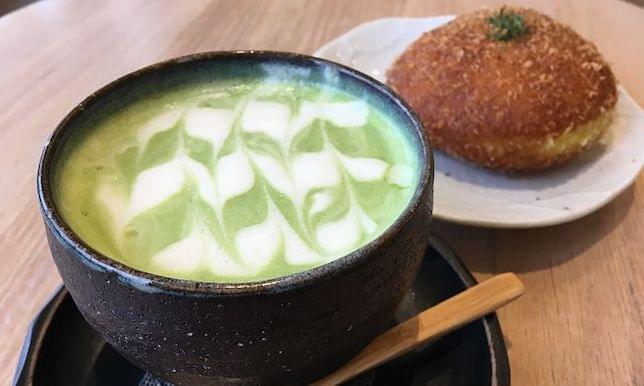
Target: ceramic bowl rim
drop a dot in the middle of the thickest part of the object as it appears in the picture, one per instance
(151, 282)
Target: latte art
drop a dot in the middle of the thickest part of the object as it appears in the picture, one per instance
(235, 182)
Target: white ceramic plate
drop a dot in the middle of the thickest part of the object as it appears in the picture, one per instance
(471, 195)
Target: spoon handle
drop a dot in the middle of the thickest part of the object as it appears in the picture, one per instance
(471, 304)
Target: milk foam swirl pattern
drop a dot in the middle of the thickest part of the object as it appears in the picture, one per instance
(249, 185)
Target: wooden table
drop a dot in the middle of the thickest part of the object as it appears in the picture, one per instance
(581, 320)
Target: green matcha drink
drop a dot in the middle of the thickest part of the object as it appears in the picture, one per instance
(236, 180)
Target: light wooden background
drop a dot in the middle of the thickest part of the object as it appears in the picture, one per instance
(581, 321)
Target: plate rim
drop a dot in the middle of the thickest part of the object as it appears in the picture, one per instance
(35, 335)
(482, 222)
(501, 374)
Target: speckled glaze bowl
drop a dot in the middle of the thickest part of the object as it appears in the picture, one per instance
(289, 330)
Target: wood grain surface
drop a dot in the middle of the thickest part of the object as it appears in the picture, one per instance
(581, 321)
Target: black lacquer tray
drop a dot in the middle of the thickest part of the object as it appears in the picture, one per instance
(61, 349)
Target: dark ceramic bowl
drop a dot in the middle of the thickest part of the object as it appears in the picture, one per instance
(288, 330)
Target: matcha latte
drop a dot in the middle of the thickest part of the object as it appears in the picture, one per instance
(237, 179)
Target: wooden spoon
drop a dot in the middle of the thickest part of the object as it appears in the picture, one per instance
(469, 305)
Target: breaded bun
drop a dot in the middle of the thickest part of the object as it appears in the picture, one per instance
(525, 103)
